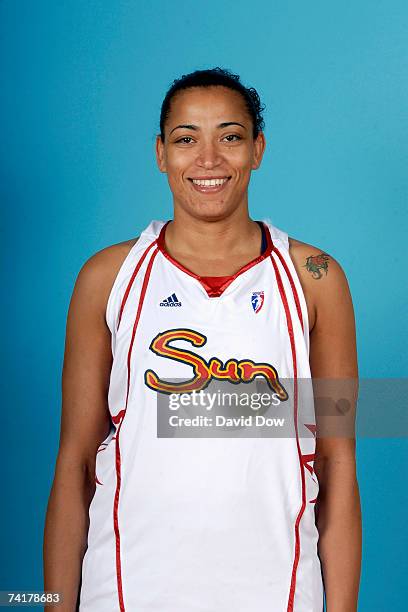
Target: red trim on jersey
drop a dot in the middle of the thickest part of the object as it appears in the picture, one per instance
(118, 458)
(98, 451)
(301, 464)
(128, 288)
(225, 281)
(215, 284)
(309, 459)
(292, 284)
(311, 427)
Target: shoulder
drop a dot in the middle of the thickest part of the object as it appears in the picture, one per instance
(322, 277)
(105, 264)
(97, 275)
(109, 259)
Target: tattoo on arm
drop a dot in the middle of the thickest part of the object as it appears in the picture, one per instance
(316, 263)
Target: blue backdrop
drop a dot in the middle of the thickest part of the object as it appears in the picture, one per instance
(82, 86)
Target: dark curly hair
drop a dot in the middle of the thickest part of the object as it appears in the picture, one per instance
(209, 78)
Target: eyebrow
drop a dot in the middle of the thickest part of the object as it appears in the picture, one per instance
(195, 127)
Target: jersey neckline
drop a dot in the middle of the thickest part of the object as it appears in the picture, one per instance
(215, 289)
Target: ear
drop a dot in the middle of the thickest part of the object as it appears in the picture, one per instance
(259, 148)
(160, 156)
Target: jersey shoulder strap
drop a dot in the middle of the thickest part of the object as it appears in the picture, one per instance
(279, 237)
(137, 255)
(291, 282)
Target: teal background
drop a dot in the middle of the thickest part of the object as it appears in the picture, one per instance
(82, 84)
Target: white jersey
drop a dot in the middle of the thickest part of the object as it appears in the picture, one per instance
(203, 523)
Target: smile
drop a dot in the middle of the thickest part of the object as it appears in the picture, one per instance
(213, 185)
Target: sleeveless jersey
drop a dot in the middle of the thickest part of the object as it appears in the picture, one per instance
(203, 524)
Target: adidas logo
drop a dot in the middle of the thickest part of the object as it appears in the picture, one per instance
(171, 301)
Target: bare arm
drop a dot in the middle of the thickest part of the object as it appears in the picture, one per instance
(85, 423)
(333, 358)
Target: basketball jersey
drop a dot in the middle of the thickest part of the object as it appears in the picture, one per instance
(201, 523)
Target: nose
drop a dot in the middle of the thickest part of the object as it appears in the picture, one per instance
(208, 156)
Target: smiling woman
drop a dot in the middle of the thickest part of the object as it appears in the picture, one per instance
(211, 153)
(248, 522)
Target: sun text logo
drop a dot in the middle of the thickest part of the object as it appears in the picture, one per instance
(242, 371)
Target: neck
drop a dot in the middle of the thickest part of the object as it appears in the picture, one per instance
(236, 235)
(213, 248)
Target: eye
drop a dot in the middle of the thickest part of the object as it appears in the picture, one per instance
(184, 139)
(231, 136)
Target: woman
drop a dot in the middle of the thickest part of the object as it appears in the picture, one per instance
(186, 523)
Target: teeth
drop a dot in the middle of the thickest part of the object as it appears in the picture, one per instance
(210, 182)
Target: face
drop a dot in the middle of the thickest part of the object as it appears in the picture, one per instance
(209, 137)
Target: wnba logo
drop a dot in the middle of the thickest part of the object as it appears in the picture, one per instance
(257, 300)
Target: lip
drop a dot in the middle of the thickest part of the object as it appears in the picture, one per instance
(207, 177)
(209, 188)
